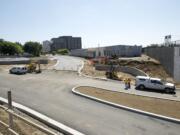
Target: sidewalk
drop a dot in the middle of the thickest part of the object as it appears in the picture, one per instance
(119, 87)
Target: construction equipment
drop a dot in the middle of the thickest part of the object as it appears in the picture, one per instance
(32, 67)
(112, 73)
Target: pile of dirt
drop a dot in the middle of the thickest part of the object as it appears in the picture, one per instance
(90, 70)
(153, 69)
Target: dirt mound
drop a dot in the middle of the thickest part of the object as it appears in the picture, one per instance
(152, 68)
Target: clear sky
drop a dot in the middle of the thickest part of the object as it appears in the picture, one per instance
(104, 22)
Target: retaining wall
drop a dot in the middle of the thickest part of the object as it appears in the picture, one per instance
(169, 57)
(130, 70)
(165, 55)
(21, 62)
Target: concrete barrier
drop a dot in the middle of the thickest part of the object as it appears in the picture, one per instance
(14, 62)
(126, 69)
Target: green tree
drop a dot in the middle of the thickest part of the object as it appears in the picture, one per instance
(19, 49)
(33, 48)
(62, 51)
(10, 48)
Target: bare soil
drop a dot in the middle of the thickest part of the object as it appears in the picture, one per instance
(90, 70)
(20, 126)
(159, 106)
(149, 65)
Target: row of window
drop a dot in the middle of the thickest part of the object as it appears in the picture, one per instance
(152, 81)
(117, 52)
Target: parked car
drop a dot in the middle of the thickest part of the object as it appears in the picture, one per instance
(143, 82)
(18, 70)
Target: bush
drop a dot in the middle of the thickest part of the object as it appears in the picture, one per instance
(53, 52)
(63, 51)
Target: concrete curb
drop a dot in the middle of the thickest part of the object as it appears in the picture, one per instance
(43, 118)
(170, 119)
(56, 63)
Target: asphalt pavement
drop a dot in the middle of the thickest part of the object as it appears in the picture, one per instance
(67, 63)
(50, 93)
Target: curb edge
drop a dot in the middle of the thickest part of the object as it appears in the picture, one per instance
(162, 117)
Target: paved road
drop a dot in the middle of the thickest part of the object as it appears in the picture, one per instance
(67, 63)
(50, 94)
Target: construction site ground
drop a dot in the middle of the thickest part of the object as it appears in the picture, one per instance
(159, 106)
(21, 127)
(150, 66)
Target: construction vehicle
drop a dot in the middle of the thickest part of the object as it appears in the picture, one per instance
(112, 73)
(32, 67)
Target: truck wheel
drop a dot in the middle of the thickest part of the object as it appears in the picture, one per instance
(167, 90)
(141, 87)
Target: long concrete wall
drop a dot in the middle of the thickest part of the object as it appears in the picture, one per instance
(21, 62)
(165, 55)
(169, 57)
(177, 64)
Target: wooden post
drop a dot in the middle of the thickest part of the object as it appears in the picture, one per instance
(10, 108)
(39, 66)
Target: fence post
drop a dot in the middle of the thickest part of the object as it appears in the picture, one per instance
(10, 108)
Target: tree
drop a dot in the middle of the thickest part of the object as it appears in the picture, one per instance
(33, 48)
(63, 51)
(10, 48)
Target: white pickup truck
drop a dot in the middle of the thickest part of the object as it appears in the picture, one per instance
(18, 70)
(143, 82)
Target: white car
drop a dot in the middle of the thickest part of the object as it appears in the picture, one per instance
(143, 82)
(18, 70)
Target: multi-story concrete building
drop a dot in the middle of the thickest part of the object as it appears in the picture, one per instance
(66, 42)
(118, 50)
(169, 57)
(46, 46)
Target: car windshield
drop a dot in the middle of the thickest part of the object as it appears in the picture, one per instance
(163, 81)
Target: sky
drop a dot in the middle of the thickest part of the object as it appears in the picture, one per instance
(103, 22)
